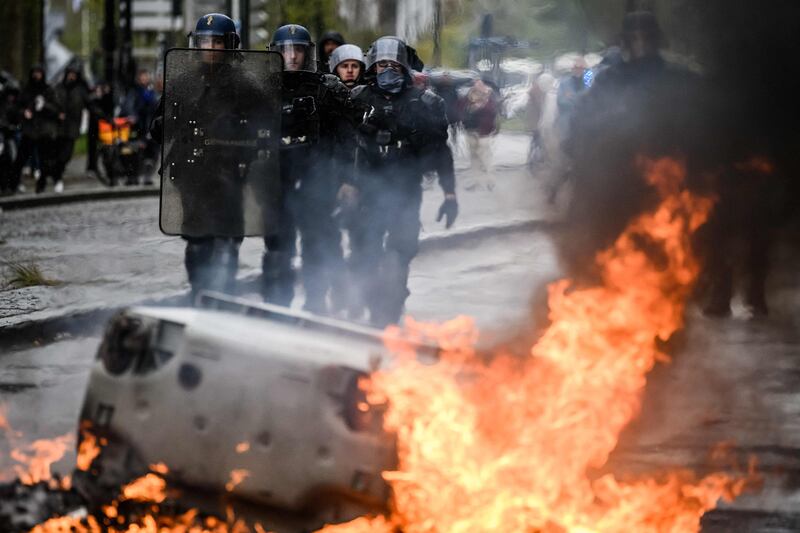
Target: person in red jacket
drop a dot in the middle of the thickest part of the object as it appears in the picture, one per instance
(481, 108)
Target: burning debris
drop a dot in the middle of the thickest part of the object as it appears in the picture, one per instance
(515, 443)
(33, 459)
(22, 507)
(144, 505)
(483, 443)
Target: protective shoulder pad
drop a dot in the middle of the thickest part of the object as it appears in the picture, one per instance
(359, 93)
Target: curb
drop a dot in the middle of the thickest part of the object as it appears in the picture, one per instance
(88, 195)
(80, 322)
(451, 238)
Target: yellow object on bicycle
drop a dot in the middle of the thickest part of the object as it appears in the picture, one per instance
(117, 131)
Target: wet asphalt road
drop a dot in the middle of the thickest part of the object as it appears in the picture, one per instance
(730, 380)
(42, 386)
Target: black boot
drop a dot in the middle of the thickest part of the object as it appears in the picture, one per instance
(277, 278)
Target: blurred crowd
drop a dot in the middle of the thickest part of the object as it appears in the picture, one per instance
(593, 125)
(40, 124)
(591, 119)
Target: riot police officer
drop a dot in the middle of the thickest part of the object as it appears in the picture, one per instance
(216, 93)
(316, 151)
(402, 136)
(347, 62)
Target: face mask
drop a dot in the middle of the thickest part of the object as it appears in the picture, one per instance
(391, 81)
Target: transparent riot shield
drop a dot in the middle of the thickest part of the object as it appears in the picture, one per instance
(222, 123)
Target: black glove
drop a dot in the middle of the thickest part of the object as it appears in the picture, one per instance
(448, 210)
(303, 106)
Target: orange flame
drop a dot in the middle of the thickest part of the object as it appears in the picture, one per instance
(508, 444)
(35, 458)
(237, 476)
(88, 449)
(65, 524)
(242, 447)
(4, 425)
(148, 488)
(160, 468)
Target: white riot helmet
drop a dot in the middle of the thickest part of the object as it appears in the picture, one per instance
(346, 52)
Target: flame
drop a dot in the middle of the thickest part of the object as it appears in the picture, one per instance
(242, 447)
(4, 425)
(66, 524)
(35, 458)
(88, 449)
(511, 444)
(237, 476)
(160, 468)
(148, 488)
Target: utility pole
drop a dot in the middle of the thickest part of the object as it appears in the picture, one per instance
(23, 35)
(437, 33)
(127, 66)
(244, 15)
(175, 12)
(43, 39)
(109, 41)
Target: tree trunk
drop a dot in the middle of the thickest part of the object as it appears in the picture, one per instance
(21, 28)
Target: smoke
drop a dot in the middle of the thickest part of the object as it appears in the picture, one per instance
(733, 123)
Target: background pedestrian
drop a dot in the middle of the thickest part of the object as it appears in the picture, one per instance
(72, 97)
(481, 108)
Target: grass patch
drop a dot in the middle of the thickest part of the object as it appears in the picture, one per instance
(21, 275)
(81, 146)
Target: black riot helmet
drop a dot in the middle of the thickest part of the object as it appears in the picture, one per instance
(388, 48)
(391, 48)
(214, 25)
(294, 43)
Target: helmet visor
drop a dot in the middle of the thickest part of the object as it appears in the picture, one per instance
(296, 55)
(387, 50)
(212, 39)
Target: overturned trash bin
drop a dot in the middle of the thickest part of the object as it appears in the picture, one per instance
(243, 398)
